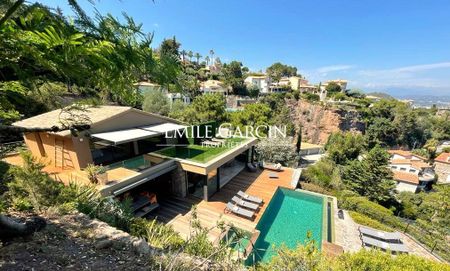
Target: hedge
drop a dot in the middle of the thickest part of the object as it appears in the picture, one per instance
(369, 222)
(371, 209)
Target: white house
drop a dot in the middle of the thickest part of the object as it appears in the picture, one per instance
(411, 172)
(262, 82)
(340, 82)
(144, 87)
(178, 97)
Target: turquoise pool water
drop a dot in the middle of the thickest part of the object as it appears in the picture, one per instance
(132, 163)
(287, 219)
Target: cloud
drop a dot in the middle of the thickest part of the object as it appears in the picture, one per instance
(334, 68)
(418, 77)
(426, 67)
(406, 71)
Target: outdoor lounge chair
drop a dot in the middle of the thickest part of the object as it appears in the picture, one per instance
(247, 197)
(240, 211)
(271, 166)
(245, 204)
(372, 242)
(392, 237)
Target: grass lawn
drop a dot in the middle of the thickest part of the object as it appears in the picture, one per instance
(198, 153)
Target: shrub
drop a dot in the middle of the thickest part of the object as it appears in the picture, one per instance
(371, 209)
(373, 260)
(30, 187)
(93, 171)
(277, 150)
(309, 258)
(323, 173)
(157, 234)
(367, 221)
(306, 257)
(316, 188)
(87, 199)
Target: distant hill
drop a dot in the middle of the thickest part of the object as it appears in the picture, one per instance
(381, 95)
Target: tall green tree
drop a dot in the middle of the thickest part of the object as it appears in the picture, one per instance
(343, 147)
(232, 76)
(278, 70)
(156, 102)
(371, 176)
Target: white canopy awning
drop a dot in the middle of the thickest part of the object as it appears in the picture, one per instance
(133, 134)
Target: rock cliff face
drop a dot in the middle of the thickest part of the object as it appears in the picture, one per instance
(318, 122)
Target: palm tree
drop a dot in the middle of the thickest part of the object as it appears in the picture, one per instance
(207, 59)
(183, 55)
(197, 56)
(190, 55)
(211, 52)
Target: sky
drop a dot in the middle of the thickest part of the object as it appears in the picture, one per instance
(401, 47)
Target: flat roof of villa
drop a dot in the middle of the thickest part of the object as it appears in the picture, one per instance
(203, 163)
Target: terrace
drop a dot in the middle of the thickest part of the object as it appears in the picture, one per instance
(177, 211)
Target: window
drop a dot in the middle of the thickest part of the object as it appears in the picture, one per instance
(403, 169)
(412, 170)
(394, 167)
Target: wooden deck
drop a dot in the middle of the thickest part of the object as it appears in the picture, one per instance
(177, 212)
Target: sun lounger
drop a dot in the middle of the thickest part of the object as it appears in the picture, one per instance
(239, 211)
(245, 204)
(382, 235)
(372, 242)
(247, 197)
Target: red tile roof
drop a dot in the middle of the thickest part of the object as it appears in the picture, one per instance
(406, 177)
(443, 158)
(406, 154)
(415, 164)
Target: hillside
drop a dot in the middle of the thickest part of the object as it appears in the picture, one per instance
(319, 122)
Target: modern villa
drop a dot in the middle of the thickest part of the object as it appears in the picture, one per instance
(136, 148)
(148, 158)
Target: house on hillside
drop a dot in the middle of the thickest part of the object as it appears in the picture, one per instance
(173, 97)
(411, 172)
(213, 86)
(262, 82)
(141, 151)
(340, 82)
(442, 167)
(444, 144)
(144, 87)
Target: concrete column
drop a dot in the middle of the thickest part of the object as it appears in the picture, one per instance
(136, 147)
(218, 178)
(205, 187)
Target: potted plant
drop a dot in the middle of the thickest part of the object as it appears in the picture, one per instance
(96, 173)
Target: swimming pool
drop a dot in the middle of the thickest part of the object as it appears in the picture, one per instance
(287, 219)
